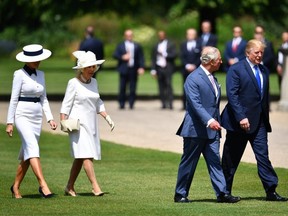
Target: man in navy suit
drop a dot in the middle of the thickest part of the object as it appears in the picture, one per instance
(235, 48)
(162, 68)
(190, 52)
(246, 118)
(207, 37)
(200, 129)
(130, 64)
(90, 43)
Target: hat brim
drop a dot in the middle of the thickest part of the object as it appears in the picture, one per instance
(88, 64)
(23, 58)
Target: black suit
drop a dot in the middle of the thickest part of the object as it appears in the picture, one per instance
(164, 73)
(187, 57)
(269, 57)
(128, 74)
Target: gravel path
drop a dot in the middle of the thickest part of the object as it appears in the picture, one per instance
(147, 126)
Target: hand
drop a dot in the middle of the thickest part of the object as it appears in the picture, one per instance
(110, 122)
(9, 130)
(244, 124)
(141, 71)
(126, 57)
(64, 126)
(53, 124)
(215, 125)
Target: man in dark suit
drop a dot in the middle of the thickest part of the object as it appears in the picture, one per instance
(207, 37)
(246, 118)
(162, 68)
(269, 57)
(90, 43)
(200, 129)
(130, 64)
(190, 52)
(235, 48)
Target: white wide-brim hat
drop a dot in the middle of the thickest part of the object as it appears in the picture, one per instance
(86, 59)
(33, 53)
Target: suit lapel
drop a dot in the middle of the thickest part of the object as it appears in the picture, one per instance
(206, 79)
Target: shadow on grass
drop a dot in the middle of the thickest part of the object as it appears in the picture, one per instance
(37, 196)
(90, 194)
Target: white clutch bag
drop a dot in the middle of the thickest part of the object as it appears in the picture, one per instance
(69, 125)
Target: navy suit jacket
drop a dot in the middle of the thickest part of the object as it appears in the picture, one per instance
(202, 105)
(244, 98)
(190, 57)
(229, 53)
(94, 45)
(139, 61)
(212, 41)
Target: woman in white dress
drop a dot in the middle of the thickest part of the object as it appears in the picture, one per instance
(82, 102)
(28, 101)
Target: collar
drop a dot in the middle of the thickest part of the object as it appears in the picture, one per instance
(29, 70)
(206, 71)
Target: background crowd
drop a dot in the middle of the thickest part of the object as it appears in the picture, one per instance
(165, 54)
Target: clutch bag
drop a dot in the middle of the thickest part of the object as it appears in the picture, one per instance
(69, 125)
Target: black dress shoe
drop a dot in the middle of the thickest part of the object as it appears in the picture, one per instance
(227, 198)
(182, 200)
(274, 196)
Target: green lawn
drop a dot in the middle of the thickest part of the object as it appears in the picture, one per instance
(58, 72)
(139, 182)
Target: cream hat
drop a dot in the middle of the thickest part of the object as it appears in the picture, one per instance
(86, 59)
(33, 53)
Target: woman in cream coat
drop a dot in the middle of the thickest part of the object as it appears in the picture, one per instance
(82, 102)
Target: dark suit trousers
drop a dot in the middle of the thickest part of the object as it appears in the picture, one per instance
(164, 76)
(234, 147)
(192, 149)
(128, 78)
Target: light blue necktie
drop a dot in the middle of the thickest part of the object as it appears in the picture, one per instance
(257, 75)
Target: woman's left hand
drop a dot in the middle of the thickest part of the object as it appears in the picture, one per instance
(53, 124)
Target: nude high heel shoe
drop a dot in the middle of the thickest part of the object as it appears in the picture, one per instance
(97, 194)
(70, 192)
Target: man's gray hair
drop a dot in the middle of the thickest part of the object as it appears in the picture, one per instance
(208, 54)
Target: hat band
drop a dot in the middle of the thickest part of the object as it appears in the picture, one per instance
(36, 53)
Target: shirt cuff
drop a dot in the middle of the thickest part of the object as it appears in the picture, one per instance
(210, 121)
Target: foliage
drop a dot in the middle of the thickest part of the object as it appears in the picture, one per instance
(137, 182)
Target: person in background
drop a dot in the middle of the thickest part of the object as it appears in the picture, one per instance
(163, 66)
(93, 44)
(269, 57)
(207, 37)
(280, 59)
(201, 128)
(235, 48)
(246, 118)
(131, 63)
(82, 101)
(28, 102)
(190, 52)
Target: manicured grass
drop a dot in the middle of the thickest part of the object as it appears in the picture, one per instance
(58, 72)
(139, 182)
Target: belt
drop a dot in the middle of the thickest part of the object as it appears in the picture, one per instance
(29, 99)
